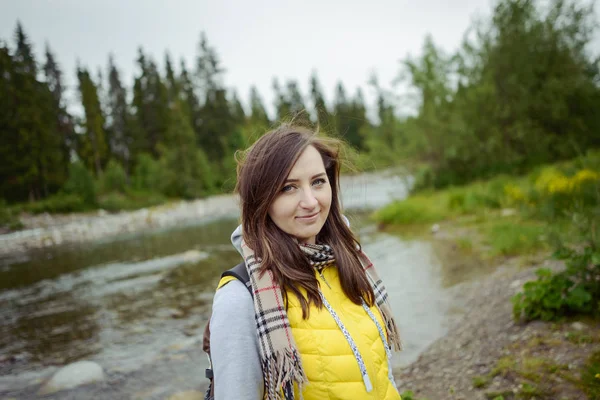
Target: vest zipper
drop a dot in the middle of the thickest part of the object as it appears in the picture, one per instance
(324, 280)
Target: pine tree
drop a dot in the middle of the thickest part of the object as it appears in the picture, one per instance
(186, 168)
(64, 132)
(173, 87)
(295, 98)
(237, 110)
(150, 100)
(119, 125)
(39, 142)
(92, 147)
(258, 114)
(283, 107)
(65, 122)
(321, 112)
(27, 114)
(191, 103)
(357, 121)
(218, 134)
(13, 150)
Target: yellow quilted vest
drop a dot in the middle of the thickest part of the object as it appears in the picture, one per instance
(328, 361)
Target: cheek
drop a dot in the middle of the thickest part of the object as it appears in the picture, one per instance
(325, 198)
(280, 210)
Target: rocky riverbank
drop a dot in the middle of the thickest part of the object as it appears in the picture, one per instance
(486, 354)
(47, 230)
(361, 191)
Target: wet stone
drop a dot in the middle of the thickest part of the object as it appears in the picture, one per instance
(73, 375)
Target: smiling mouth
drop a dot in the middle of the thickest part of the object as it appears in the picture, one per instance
(308, 216)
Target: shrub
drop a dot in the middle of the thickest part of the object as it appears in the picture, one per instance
(556, 194)
(147, 174)
(114, 178)
(573, 291)
(81, 184)
(132, 200)
(58, 203)
(9, 216)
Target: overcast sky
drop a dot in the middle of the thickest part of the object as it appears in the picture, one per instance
(343, 40)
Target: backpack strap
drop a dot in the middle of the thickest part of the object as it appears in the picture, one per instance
(240, 273)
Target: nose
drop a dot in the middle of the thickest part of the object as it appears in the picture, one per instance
(308, 201)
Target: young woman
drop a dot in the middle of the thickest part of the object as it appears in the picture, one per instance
(317, 324)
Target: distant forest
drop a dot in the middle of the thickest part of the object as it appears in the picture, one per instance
(522, 89)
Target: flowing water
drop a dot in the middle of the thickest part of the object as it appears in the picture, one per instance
(137, 305)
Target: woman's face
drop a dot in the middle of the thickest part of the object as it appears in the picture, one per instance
(302, 205)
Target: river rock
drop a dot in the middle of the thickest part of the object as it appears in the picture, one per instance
(72, 375)
(578, 326)
(507, 212)
(188, 395)
(515, 285)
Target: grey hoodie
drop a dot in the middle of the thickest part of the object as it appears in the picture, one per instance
(234, 345)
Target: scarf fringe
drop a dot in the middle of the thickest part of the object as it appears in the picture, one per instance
(280, 370)
(393, 332)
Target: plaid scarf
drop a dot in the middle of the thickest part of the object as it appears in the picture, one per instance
(281, 363)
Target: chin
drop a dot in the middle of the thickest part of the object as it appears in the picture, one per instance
(304, 235)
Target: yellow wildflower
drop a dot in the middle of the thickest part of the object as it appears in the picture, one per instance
(560, 184)
(584, 175)
(547, 179)
(514, 193)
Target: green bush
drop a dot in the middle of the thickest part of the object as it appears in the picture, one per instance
(9, 216)
(573, 291)
(80, 184)
(115, 201)
(186, 175)
(147, 175)
(114, 178)
(141, 198)
(58, 203)
(132, 200)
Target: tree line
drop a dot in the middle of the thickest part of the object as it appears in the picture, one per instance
(522, 89)
(175, 131)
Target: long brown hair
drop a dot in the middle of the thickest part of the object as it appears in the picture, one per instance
(261, 173)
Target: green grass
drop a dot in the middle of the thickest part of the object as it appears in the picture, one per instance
(133, 200)
(480, 382)
(419, 209)
(428, 207)
(590, 376)
(409, 395)
(531, 372)
(514, 237)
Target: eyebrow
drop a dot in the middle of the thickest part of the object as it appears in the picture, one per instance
(311, 178)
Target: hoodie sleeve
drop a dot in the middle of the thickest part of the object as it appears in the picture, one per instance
(234, 345)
